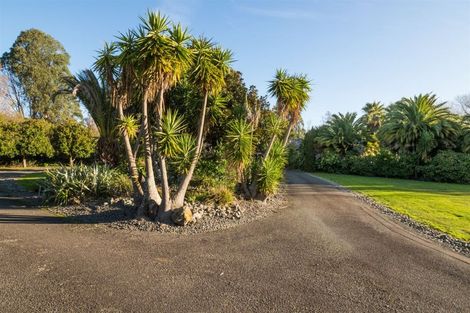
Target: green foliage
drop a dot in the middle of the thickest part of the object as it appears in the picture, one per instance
(221, 195)
(448, 166)
(168, 138)
(74, 141)
(440, 205)
(35, 139)
(465, 135)
(31, 181)
(271, 170)
(211, 65)
(93, 93)
(38, 62)
(67, 184)
(343, 134)
(186, 144)
(419, 125)
(9, 133)
(239, 145)
(130, 125)
(373, 117)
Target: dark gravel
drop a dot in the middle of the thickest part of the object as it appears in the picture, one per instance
(119, 214)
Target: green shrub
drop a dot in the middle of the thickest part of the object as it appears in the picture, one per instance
(271, 170)
(221, 195)
(448, 166)
(330, 163)
(66, 184)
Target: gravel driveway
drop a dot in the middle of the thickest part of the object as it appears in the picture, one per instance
(326, 252)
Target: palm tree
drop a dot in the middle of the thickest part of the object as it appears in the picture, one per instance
(466, 133)
(93, 93)
(120, 82)
(419, 125)
(162, 56)
(300, 96)
(292, 94)
(240, 142)
(211, 65)
(343, 133)
(374, 113)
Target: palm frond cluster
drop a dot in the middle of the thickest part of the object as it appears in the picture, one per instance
(419, 126)
(169, 99)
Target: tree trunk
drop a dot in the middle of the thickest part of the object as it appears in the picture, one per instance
(70, 161)
(183, 187)
(138, 191)
(271, 143)
(165, 207)
(152, 196)
(25, 164)
(286, 136)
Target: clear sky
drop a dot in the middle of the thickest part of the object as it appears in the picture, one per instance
(354, 51)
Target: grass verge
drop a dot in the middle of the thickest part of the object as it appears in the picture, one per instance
(442, 206)
(31, 181)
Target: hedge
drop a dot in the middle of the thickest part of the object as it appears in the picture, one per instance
(446, 166)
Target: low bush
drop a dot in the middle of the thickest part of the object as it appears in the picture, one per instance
(447, 166)
(76, 184)
(272, 169)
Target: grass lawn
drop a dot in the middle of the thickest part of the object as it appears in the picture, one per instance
(31, 181)
(445, 207)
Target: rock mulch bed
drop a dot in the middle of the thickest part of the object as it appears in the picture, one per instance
(119, 214)
(459, 246)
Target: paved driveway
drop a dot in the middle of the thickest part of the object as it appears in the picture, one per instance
(327, 252)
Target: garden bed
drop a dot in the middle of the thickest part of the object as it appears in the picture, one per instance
(119, 214)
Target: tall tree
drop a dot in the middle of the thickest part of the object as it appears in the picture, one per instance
(292, 94)
(37, 63)
(419, 125)
(211, 65)
(374, 113)
(118, 75)
(343, 133)
(161, 57)
(93, 94)
(73, 141)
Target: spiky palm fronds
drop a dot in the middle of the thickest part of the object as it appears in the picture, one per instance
(272, 169)
(239, 145)
(292, 93)
(466, 133)
(211, 65)
(129, 124)
(374, 113)
(162, 52)
(93, 94)
(186, 150)
(343, 133)
(168, 138)
(275, 125)
(419, 125)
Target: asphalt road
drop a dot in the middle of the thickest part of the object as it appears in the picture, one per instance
(326, 252)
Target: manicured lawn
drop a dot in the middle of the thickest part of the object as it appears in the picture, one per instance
(31, 181)
(445, 207)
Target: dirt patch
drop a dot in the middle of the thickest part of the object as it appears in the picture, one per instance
(119, 214)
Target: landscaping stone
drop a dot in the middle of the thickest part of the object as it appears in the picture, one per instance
(206, 217)
(182, 216)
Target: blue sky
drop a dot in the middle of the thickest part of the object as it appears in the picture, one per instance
(354, 51)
